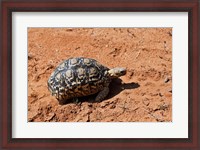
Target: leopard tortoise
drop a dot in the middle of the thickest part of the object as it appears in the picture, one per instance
(77, 77)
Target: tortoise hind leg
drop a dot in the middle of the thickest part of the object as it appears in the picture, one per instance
(102, 94)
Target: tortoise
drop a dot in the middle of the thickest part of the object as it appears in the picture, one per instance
(78, 77)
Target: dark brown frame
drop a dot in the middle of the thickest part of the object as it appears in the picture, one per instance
(9, 6)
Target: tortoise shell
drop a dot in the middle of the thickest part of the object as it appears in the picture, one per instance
(77, 77)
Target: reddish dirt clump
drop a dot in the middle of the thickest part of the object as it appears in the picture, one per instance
(144, 94)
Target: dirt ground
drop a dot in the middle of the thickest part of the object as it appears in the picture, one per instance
(144, 94)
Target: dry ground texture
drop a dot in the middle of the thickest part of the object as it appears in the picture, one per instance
(144, 94)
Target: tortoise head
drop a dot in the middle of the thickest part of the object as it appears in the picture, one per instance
(117, 72)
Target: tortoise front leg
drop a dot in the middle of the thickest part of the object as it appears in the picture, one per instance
(102, 94)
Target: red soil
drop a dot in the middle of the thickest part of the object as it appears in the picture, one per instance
(144, 94)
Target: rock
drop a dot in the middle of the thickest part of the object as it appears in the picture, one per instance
(160, 94)
(89, 105)
(30, 56)
(69, 29)
(167, 79)
(170, 90)
(112, 106)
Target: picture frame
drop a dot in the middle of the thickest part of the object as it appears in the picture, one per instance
(10, 6)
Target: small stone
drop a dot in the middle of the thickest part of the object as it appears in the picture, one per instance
(170, 33)
(170, 90)
(166, 80)
(104, 104)
(34, 95)
(36, 58)
(69, 29)
(30, 56)
(160, 94)
(49, 66)
(77, 48)
(89, 105)
(112, 106)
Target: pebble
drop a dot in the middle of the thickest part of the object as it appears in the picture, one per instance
(69, 29)
(89, 105)
(160, 94)
(112, 106)
(166, 80)
(170, 90)
(30, 55)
